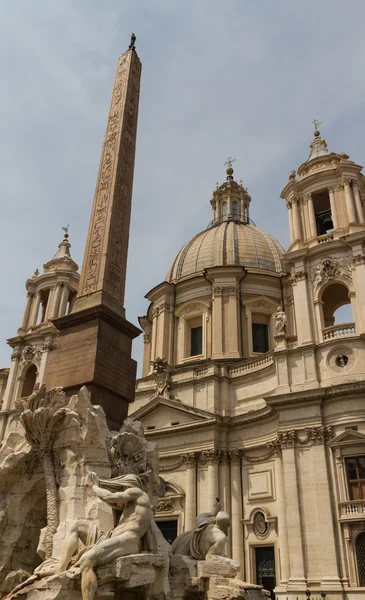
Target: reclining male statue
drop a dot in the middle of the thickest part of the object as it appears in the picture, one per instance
(124, 493)
(209, 537)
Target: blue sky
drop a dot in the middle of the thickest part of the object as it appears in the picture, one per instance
(242, 77)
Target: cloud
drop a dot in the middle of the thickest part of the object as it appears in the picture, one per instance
(235, 78)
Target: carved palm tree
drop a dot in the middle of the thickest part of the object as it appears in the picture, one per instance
(42, 415)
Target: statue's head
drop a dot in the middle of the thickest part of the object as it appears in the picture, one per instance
(223, 520)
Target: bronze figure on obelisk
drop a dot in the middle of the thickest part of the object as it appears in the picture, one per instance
(94, 345)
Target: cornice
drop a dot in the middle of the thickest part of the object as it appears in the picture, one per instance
(316, 394)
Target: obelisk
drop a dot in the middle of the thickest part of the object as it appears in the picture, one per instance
(95, 340)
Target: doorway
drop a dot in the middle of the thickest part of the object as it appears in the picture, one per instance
(265, 568)
(168, 529)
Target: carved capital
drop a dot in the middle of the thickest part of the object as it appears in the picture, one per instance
(298, 276)
(316, 435)
(232, 290)
(217, 290)
(146, 338)
(48, 347)
(358, 259)
(345, 181)
(284, 439)
(209, 456)
(16, 355)
(331, 189)
(235, 455)
(190, 459)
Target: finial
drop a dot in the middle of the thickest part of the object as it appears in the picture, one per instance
(36, 273)
(229, 162)
(317, 125)
(133, 42)
(65, 229)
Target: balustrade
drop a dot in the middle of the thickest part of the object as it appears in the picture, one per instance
(336, 331)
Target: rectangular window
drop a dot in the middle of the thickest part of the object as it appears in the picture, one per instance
(355, 467)
(260, 337)
(196, 339)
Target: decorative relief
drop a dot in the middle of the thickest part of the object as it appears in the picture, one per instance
(146, 338)
(112, 201)
(262, 304)
(165, 506)
(193, 308)
(31, 355)
(329, 269)
(312, 435)
(162, 375)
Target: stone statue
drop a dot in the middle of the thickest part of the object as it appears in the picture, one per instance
(280, 321)
(125, 494)
(209, 537)
(132, 45)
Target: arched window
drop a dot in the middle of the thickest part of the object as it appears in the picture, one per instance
(29, 381)
(224, 211)
(336, 305)
(360, 557)
(234, 211)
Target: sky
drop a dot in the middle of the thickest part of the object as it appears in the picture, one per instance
(240, 78)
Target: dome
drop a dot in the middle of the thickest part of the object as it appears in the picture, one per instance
(227, 244)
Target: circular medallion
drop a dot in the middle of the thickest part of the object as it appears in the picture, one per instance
(260, 526)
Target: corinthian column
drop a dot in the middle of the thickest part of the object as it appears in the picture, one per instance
(331, 193)
(293, 516)
(349, 201)
(213, 490)
(27, 310)
(225, 493)
(296, 220)
(190, 498)
(312, 216)
(291, 226)
(236, 510)
(282, 525)
(358, 202)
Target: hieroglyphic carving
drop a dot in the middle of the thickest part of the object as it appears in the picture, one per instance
(104, 266)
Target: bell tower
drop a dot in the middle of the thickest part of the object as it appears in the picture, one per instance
(50, 295)
(326, 257)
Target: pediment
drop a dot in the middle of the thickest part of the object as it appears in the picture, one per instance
(347, 438)
(162, 413)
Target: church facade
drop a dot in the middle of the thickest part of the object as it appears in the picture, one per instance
(252, 385)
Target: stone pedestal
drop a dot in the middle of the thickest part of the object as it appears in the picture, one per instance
(94, 349)
(212, 580)
(133, 577)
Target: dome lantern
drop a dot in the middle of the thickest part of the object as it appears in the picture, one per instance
(230, 201)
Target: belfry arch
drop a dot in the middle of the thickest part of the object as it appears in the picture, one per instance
(333, 297)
